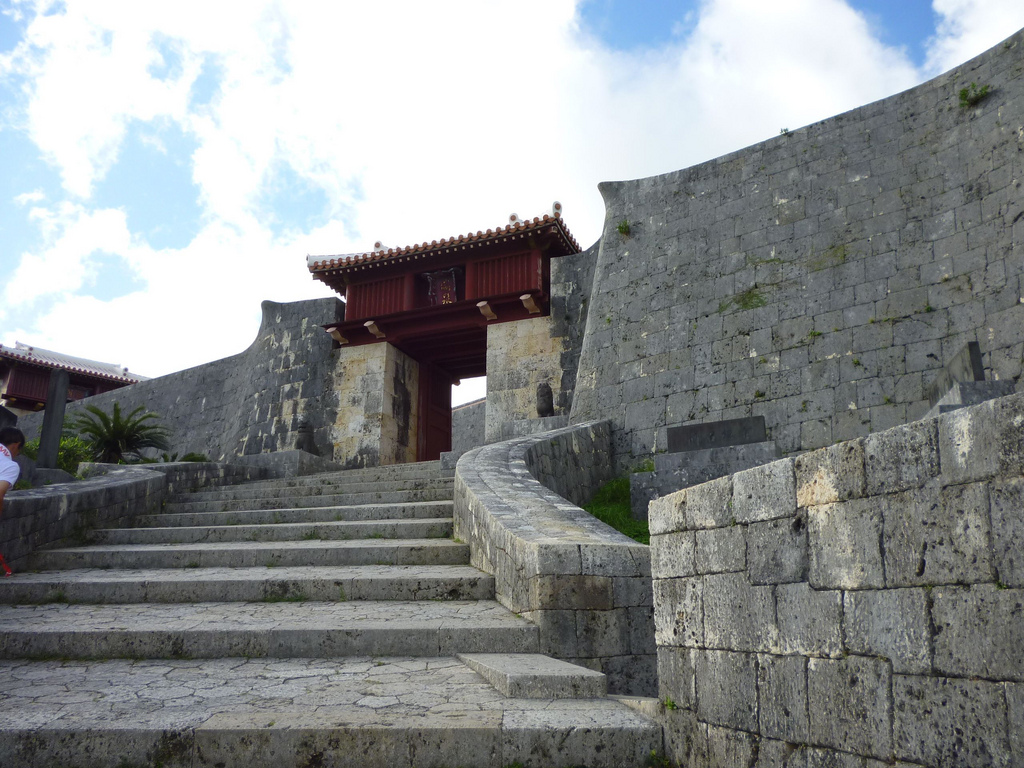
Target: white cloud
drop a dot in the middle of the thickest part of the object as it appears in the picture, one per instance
(418, 120)
(969, 27)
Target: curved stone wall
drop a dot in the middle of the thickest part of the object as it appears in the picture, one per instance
(250, 403)
(822, 278)
(584, 584)
(863, 601)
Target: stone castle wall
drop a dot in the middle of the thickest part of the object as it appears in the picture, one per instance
(821, 279)
(865, 600)
(249, 403)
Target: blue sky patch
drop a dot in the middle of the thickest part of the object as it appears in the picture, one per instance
(290, 202)
(17, 234)
(111, 278)
(626, 24)
(169, 67)
(907, 23)
(152, 182)
(206, 86)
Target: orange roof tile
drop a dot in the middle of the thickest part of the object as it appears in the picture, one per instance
(516, 226)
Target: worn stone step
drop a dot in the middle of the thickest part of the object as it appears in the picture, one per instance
(254, 554)
(380, 712)
(535, 676)
(323, 584)
(345, 530)
(277, 630)
(411, 510)
(235, 492)
(337, 500)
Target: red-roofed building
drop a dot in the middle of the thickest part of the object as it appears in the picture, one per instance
(434, 303)
(25, 376)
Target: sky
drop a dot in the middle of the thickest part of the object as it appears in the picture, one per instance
(165, 167)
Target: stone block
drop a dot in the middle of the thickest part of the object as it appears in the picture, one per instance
(830, 474)
(737, 615)
(720, 550)
(1006, 502)
(729, 747)
(709, 505)
(777, 550)
(968, 444)
(979, 632)
(602, 633)
(679, 612)
(781, 754)
(850, 705)
(1015, 717)
(717, 434)
(673, 555)
(845, 545)
(571, 592)
(891, 624)
(782, 697)
(942, 721)
(676, 677)
(667, 514)
(764, 493)
(901, 458)
(937, 536)
(809, 620)
(727, 689)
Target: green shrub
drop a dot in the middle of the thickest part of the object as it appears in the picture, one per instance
(70, 453)
(611, 505)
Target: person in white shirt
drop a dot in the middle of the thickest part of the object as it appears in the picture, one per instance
(12, 440)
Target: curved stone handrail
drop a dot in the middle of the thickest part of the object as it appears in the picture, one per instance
(584, 584)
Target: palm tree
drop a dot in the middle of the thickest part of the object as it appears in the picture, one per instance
(115, 438)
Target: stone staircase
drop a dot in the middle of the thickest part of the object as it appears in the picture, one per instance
(326, 620)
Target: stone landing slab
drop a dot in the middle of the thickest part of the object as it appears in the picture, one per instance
(369, 712)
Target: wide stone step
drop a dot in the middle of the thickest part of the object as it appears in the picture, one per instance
(200, 585)
(253, 554)
(380, 712)
(233, 492)
(285, 502)
(251, 630)
(333, 531)
(412, 510)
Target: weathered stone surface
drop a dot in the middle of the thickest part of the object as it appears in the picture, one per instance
(777, 551)
(937, 536)
(845, 545)
(890, 623)
(765, 492)
(901, 458)
(942, 721)
(979, 631)
(1015, 718)
(809, 620)
(727, 689)
(710, 505)
(850, 705)
(782, 697)
(729, 747)
(667, 514)
(573, 591)
(720, 550)
(676, 678)
(831, 474)
(679, 612)
(673, 555)
(1006, 501)
(969, 444)
(738, 615)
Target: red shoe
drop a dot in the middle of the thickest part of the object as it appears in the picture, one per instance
(3, 564)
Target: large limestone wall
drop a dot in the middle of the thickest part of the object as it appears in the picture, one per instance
(820, 279)
(249, 403)
(863, 601)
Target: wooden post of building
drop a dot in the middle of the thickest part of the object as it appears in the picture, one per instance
(53, 420)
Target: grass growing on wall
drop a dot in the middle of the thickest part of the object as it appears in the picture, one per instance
(611, 505)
